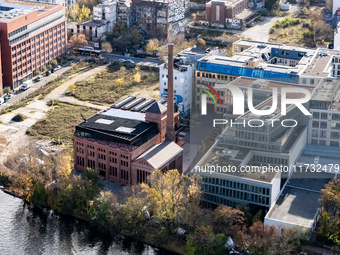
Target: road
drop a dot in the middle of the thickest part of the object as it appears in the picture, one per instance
(20, 95)
(140, 61)
(260, 32)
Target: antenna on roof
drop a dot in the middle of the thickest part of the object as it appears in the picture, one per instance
(83, 117)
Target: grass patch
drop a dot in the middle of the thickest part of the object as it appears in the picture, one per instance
(293, 32)
(44, 91)
(59, 123)
(19, 117)
(116, 81)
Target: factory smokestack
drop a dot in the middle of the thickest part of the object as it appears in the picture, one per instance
(170, 126)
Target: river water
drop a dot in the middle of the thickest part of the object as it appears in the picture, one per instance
(29, 230)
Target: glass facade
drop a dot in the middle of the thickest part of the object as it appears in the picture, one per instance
(247, 72)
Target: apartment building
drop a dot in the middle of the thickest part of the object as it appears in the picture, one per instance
(233, 14)
(183, 80)
(32, 35)
(106, 12)
(104, 18)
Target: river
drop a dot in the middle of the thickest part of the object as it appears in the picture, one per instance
(25, 229)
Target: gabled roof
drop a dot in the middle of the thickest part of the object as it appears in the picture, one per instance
(156, 107)
(158, 155)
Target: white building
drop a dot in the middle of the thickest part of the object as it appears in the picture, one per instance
(94, 30)
(106, 11)
(324, 124)
(337, 37)
(183, 77)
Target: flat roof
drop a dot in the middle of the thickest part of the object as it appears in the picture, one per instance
(295, 206)
(298, 204)
(19, 8)
(118, 127)
(234, 156)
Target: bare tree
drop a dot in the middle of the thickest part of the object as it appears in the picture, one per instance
(106, 47)
(78, 40)
(322, 31)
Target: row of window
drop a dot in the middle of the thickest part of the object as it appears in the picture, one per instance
(142, 176)
(255, 198)
(236, 185)
(323, 143)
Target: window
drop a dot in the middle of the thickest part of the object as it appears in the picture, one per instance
(323, 124)
(316, 115)
(324, 115)
(315, 124)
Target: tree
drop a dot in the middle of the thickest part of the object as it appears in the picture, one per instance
(106, 47)
(83, 14)
(170, 193)
(77, 14)
(200, 43)
(228, 220)
(330, 216)
(119, 28)
(330, 197)
(136, 37)
(261, 239)
(78, 40)
(7, 90)
(152, 45)
(137, 78)
(321, 30)
(54, 62)
(204, 241)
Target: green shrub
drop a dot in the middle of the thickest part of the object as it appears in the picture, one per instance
(307, 33)
(19, 117)
(272, 30)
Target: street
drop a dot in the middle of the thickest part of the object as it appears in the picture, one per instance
(20, 94)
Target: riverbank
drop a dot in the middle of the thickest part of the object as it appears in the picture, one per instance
(27, 229)
(5, 186)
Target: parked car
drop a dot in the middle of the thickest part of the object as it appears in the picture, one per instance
(126, 61)
(10, 96)
(57, 68)
(39, 78)
(2, 101)
(48, 73)
(26, 85)
(6, 99)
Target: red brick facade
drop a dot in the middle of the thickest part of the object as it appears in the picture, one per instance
(218, 11)
(31, 41)
(117, 162)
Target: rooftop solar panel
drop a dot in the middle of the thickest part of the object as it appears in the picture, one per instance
(131, 104)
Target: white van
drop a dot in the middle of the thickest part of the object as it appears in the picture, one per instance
(1, 100)
(26, 85)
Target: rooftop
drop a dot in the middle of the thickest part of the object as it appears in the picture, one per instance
(308, 62)
(120, 129)
(225, 2)
(298, 204)
(233, 156)
(16, 8)
(158, 155)
(295, 206)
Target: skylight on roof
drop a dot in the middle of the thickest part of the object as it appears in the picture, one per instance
(126, 130)
(104, 121)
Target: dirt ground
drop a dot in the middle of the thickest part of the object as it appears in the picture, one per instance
(13, 138)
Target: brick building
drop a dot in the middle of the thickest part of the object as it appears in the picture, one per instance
(127, 142)
(130, 140)
(227, 13)
(32, 34)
